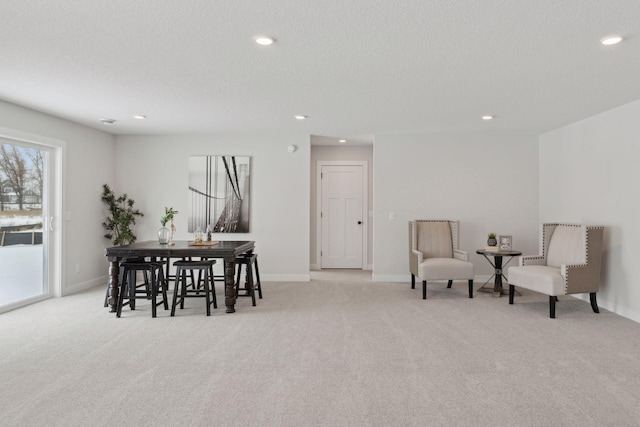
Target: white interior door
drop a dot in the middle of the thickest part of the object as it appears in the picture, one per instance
(342, 216)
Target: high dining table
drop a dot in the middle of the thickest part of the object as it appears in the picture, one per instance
(225, 249)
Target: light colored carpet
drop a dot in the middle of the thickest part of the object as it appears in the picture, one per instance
(337, 351)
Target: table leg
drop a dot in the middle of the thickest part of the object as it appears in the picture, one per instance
(497, 287)
(114, 284)
(229, 284)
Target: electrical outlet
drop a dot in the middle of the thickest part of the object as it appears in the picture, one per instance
(392, 216)
(77, 268)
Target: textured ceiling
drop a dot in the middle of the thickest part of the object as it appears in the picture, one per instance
(356, 68)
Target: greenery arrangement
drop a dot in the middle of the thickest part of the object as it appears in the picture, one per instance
(122, 216)
(168, 216)
(492, 235)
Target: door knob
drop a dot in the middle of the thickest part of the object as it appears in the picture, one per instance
(359, 222)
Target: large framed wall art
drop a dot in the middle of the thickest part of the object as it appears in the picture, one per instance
(219, 190)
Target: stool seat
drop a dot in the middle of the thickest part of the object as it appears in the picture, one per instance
(129, 288)
(205, 282)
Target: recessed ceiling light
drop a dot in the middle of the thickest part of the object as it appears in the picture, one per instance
(139, 117)
(342, 141)
(609, 40)
(264, 40)
(487, 117)
(300, 117)
(107, 121)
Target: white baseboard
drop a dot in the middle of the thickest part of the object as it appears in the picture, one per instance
(285, 277)
(316, 267)
(79, 287)
(396, 278)
(621, 311)
(406, 278)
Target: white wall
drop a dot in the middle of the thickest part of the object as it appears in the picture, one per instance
(153, 170)
(335, 153)
(589, 174)
(487, 182)
(88, 164)
(585, 172)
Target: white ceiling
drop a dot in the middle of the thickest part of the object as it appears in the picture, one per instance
(356, 68)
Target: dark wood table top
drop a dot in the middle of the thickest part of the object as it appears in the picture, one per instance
(498, 253)
(181, 248)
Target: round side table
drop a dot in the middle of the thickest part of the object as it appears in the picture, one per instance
(497, 267)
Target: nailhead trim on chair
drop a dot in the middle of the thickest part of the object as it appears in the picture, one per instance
(545, 247)
(587, 228)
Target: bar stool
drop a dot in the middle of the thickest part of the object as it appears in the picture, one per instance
(120, 278)
(205, 269)
(154, 281)
(251, 262)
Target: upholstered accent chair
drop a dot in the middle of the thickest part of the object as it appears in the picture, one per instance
(569, 264)
(434, 254)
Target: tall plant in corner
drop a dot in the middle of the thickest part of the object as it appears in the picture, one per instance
(122, 216)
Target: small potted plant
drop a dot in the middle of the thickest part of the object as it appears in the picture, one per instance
(164, 234)
(492, 241)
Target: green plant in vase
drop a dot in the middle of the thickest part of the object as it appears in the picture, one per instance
(492, 241)
(168, 216)
(165, 235)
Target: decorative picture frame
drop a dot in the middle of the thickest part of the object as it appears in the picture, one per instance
(504, 242)
(219, 194)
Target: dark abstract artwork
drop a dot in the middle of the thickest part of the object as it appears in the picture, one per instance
(219, 193)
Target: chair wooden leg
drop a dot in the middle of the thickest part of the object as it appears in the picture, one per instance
(132, 279)
(471, 288)
(512, 291)
(147, 286)
(183, 294)
(163, 286)
(450, 283)
(213, 288)
(123, 290)
(238, 279)
(106, 296)
(175, 293)
(424, 289)
(594, 303)
(250, 285)
(413, 282)
(206, 290)
(257, 278)
(552, 307)
(154, 292)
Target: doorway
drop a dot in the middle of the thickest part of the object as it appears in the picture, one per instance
(28, 236)
(342, 215)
